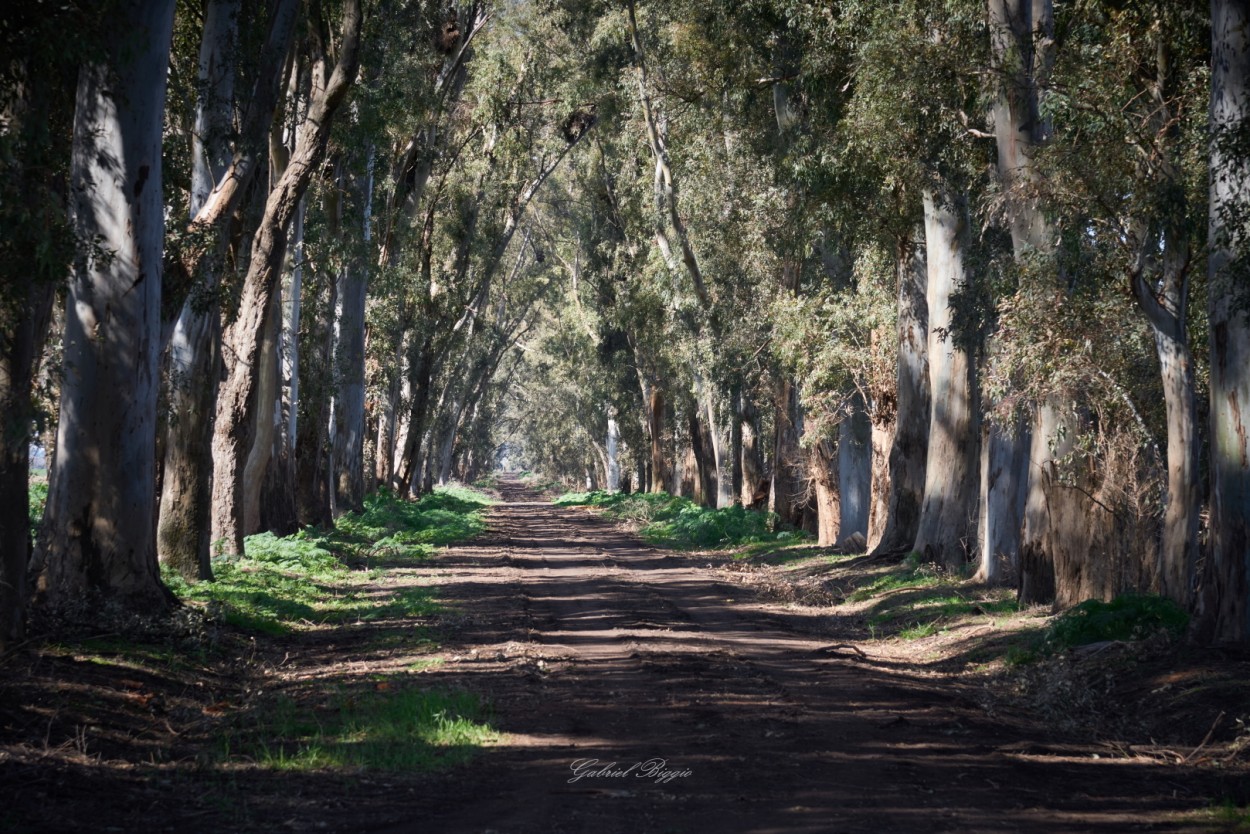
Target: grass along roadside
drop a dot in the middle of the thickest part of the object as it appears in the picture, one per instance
(390, 728)
(679, 523)
(328, 577)
(364, 573)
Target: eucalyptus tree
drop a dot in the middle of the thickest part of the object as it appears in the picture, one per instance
(37, 65)
(1128, 163)
(234, 427)
(1022, 49)
(1227, 607)
(225, 162)
(100, 523)
(913, 88)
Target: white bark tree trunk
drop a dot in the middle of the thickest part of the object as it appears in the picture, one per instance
(266, 412)
(100, 530)
(1226, 604)
(854, 470)
(613, 452)
(1004, 476)
(1022, 43)
(349, 410)
(948, 515)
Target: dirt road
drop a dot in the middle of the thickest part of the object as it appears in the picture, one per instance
(688, 706)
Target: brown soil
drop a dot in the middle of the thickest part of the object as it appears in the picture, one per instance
(750, 715)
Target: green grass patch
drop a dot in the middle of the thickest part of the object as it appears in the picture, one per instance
(936, 603)
(919, 631)
(133, 653)
(1127, 617)
(910, 574)
(281, 582)
(1231, 817)
(389, 526)
(392, 730)
(490, 481)
(680, 523)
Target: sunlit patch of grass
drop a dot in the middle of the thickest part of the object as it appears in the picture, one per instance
(389, 526)
(935, 603)
(1126, 618)
(673, 521)
(896, 580)
(405, 730)
(268, 595)
(401, 603)
(919, 631)
(302, 579)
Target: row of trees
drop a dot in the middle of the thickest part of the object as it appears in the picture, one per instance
(920, 274)
(958, 278)
(298, 243)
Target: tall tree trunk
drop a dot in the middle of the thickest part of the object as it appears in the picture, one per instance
(655, 425)
(101, 524)
(948, 516)
(1167, 314)
(1004, 478)
(704, 474)
(350, 400)
(1052, 437)
(422, 378)
(752, 458)
(823, 462)
(384, 456)
(736, 445)
(35, 112)
(718, 440)
(278, 512)
(1022, 43)
(266, 411)
(183, 534)
(882, 440)
(854, 470)
(313, 487)
(232, 432)
(613, 464)
(1226, 608)
(183, 537)
(786, 490)
(20, 349)
(909, 449)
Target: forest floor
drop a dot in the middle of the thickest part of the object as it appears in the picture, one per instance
(626, 689)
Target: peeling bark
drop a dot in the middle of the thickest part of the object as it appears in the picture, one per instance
(233, 431)
(101, 515)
